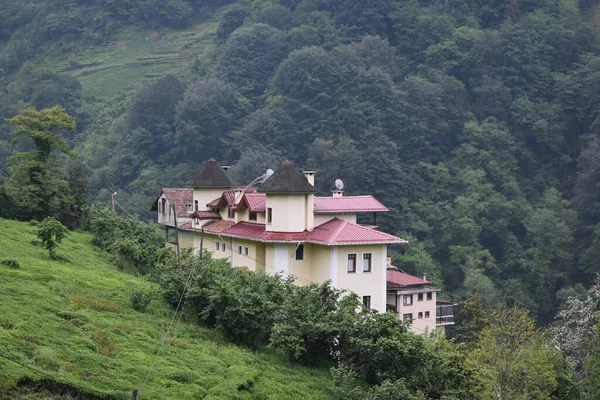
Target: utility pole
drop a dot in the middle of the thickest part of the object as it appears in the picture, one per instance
(112, 201)
(176, 237)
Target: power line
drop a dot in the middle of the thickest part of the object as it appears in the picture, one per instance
(125, 211)
(182, 299)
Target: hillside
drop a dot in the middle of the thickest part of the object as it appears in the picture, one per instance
(74, 320)
(475, 122)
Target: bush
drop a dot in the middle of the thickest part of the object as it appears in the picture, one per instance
(140, 299)
(47, 358)
(51, 232)
(10, 262)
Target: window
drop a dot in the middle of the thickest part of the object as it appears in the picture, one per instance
(231, 212)
(351, 263)
(367, 302)
(245, 251)
(420, 297)
(367, 262)
(300, 252)
(407, 317)
(188, 207)
(408, 299)
(429, 295)
(239, 249)
(269, 215)
(252, 216)
(426, 314)
(195, 205)
(164, 206)
(218, 245)
(223, 246)
(420, 316)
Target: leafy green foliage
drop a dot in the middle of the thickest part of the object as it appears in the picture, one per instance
(511, 359)
(10, 262)
(131, 243)
(51, 232)
(140, 299)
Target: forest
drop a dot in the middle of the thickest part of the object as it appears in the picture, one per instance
(476, 122)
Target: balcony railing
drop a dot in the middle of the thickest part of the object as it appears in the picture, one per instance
(444, 313)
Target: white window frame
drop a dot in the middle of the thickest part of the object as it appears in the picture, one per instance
(370, 263)
(348, 259)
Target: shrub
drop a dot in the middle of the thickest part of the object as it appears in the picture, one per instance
(47, 358)
(51, 232)
(105, 345)
(10, 262)
(94, 304)
(140, 299)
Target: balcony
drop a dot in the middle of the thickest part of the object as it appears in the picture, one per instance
(444, 313)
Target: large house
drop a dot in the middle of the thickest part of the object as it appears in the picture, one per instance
(280, 226)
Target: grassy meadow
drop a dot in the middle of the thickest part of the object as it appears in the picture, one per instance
(74, 320)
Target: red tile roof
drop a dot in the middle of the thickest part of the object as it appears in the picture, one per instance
(179, 197)
(340, 232)
(205, 215)
(228, 197)
(335, 232)
(397, 279)
(218, 226)
(254, 201)
(187, 225)
(348, 204)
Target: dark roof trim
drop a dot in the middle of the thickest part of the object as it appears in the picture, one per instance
(212, 175)
(286, 180)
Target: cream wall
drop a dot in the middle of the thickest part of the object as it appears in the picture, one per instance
(322, 218)
(418, 325)
(289, 212)
(241, 260)
(321, 263)
(364, 283)
(167, 217)
(205, 196)
(244, 215)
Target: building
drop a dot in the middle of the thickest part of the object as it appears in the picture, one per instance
(280, 226)
(415, 300)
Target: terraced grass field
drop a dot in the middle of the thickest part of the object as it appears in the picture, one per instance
(74, 320)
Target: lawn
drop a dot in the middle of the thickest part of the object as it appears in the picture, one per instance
(74, 321)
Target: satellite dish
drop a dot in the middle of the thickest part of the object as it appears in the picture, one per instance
(269, 172)
(339, 184)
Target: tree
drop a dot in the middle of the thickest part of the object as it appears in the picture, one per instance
(51, 232)
(207, 114)
(38, 174)
(510, 360)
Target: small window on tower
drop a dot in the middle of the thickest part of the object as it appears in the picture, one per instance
(195, 205)
(269, 215)
(351, 263)
(367, 302)
(300, 252)
(367, 262)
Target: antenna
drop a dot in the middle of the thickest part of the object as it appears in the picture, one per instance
(339, 184)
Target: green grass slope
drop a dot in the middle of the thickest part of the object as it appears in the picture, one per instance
(133, 56)
(74, 321)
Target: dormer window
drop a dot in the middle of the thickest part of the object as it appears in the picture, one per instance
(253, 216)
(231, 212)
(164, 206)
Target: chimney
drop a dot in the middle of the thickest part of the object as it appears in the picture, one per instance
(310, 176)
(237, 195)
(424, 277)
(225, 167)
(338, 193)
